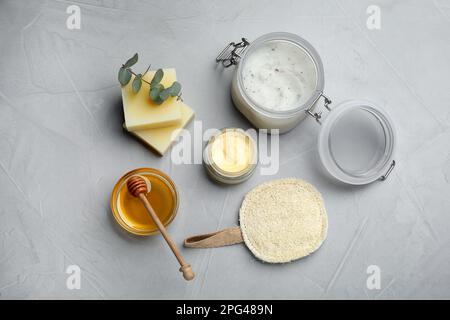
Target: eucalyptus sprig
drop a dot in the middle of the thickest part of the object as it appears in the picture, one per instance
(157, 92)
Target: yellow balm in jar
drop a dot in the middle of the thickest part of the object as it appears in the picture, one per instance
(230, 156)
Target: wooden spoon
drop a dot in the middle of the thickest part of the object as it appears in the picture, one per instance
(137, 186)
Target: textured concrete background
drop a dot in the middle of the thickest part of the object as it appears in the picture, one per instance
(62, 149)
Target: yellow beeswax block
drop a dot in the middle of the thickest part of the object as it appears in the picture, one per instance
(160, 139)
(142, 113)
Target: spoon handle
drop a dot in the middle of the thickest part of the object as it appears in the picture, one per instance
(185, 268)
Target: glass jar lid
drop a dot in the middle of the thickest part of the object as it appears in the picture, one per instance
(357, 142)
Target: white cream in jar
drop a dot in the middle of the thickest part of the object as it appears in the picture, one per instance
(279, 76)
(278, 80)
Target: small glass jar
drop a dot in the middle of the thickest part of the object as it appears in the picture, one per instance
(230, 156)
(309, 67)
(130, 213)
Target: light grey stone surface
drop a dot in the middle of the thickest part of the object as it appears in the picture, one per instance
(62, 149)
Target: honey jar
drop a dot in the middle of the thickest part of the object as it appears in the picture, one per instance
(128, 210)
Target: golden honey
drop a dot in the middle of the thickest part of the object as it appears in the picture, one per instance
(129, 211)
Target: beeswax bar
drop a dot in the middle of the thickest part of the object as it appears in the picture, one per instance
(160, 139)
(142, 113)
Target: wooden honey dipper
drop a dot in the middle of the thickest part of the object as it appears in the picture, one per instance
(137, 186)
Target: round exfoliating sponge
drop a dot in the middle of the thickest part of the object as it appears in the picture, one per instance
(283, 220)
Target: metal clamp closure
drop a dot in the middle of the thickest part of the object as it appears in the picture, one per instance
(318, 115)
(232, 53)
(388, 172)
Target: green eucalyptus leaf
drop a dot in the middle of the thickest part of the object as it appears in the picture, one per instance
(175, 89)
(131, 61)
(154, 92)
(164, 94)
(124, 76)
(158, 101)
(159, 74)
(148, 68)
(137, 83)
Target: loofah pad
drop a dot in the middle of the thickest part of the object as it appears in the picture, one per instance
(283, 220)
